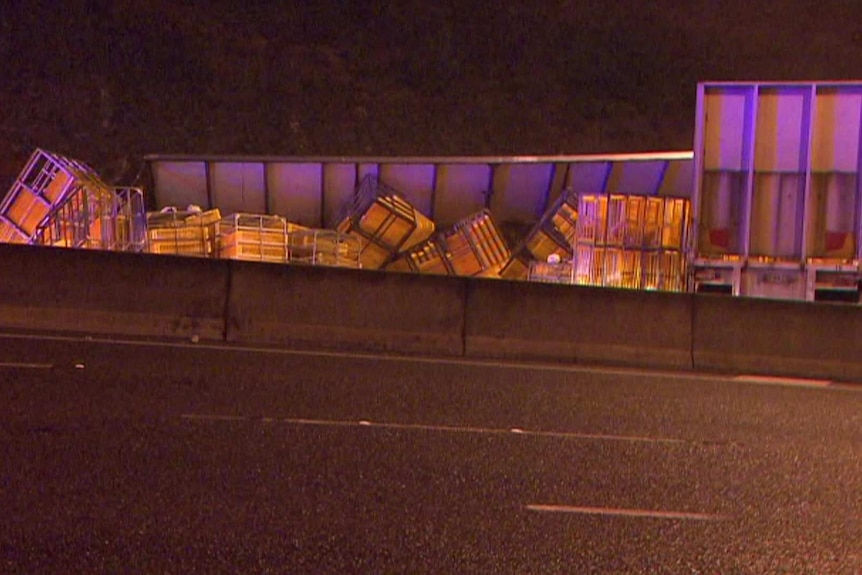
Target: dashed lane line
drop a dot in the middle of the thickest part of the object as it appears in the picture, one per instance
(635, 513)
(439, 428)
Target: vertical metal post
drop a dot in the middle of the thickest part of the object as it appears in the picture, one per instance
(208, 183)
(433, 204)
(808, 134)
(751, 167)
(267, 206)
(322, 219)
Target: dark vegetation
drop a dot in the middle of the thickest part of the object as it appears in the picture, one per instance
(107, 81)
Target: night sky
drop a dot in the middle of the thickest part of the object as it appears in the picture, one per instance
(106, 82)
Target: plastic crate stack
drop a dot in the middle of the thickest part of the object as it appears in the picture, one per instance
(42, 186)
(254, 237)
(552, 237)
(384, 223)
(319, 247)
(474, 246)
(95, 218)
(188, 232)
(633, 242)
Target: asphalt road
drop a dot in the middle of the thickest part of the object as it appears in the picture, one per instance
(150, 458)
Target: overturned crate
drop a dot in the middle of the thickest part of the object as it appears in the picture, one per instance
(428, 257)
(324, 248)
(254, 237)
(384, 222)
(182, 232)
(94, 218)
(553, 235)
(475, 246)
(44, 183)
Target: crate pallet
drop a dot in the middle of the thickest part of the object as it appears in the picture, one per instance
(385, 223)
(254, 237)
(324, 248)
(187, 233)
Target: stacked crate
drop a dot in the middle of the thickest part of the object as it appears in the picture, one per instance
(45, 182)
(254, 237)
(384, 223)
(633, 242)
(188, 233)
(324, 248)
(553, 235)
(95, 218)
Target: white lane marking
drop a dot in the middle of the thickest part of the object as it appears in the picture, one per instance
(439, 428)
(788, 381)
(17, 365)
(617, 512)
(214, 417)
(525, 365)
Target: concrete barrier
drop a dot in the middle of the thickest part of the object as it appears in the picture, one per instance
(529, 321)
(84, 291)
(800, 339)
(308, 307)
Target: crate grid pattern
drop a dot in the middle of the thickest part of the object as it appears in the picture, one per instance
(385, 223)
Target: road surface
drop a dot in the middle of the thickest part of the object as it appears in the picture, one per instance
(189, 458)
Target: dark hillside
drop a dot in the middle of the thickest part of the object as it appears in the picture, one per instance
(109, 81)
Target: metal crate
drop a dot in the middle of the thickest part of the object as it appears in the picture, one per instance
(46, 180)
(92, 218)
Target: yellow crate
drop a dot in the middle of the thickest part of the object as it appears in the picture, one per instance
(184, 247)
(427, 258)
(27, 210)
(517, 268)
(10, 234)
(391, 223)
(179, 234)
(254, 251)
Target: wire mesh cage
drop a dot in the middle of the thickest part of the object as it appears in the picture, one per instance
(43, 184)
(254, 237)
(324, 248)
(93, 218)
(384, 222)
